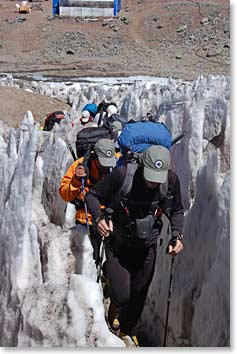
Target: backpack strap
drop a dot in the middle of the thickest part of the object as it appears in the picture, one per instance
(126, 187)
(164, 187)
(166, 198)
(127, 183)
(100, 118)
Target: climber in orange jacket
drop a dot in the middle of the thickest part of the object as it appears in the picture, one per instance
(98, 165)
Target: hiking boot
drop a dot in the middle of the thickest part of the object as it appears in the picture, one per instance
(115, 325)
(113, 317)
(130, 341)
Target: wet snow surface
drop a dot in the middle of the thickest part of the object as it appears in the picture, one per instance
(49, 295)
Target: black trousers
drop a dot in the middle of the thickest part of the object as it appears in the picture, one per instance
(96, 240)
(130, 272)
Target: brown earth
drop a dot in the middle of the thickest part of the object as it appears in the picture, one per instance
(15, 103)
(150, 37)
(181, 39)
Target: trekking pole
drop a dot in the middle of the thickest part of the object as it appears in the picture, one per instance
(69, 146)
(85, 205)
(82, 186)
(179, 137)
(71, 150)
(168, 300)
(108, 217)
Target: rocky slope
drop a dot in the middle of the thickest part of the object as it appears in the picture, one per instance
(181, 39)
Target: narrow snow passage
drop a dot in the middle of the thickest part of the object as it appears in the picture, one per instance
(49, 296)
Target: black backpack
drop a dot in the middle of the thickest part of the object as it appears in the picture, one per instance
(102, 106)
(114, 117)
(51, 119)
(87, 137)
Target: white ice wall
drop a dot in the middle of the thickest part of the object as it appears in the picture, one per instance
(46, 300)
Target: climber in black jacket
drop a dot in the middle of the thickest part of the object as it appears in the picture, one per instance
(138, 199)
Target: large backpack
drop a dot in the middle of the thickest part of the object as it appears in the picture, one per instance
(137, 137)
(87, 137)
(53, 118)
(92, 108)
(102, 106)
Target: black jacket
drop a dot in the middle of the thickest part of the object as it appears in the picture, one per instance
(140, 198)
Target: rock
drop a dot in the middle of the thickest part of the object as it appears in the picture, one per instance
(70, 51)
(178, 56)
(156, 18)
(204, 21)
(159, 26)
(182, 28)
(104, 23)
(21, 19)
(213, 52)
(127, 21)
(226, 45)
(115, 29)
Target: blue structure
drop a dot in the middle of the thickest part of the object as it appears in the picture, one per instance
(55, 7)
(117, 6)
(83, 8)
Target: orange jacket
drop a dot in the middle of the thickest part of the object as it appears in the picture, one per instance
(71, 188)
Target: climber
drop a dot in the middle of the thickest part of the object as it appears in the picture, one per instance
(138, 193)
(88, 114)
(108, 113)
(90, 168)
(104, 112)
(86, 118)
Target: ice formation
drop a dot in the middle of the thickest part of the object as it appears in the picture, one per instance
(46, 298)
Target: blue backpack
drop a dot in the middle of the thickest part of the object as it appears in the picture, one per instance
(137, 137)
(92, 108)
